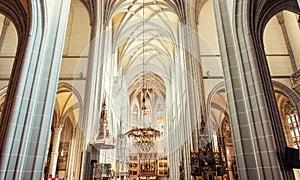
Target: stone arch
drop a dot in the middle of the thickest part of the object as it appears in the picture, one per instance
(269, 10)
(3, 92)
(289, 93)
(66, 116)
(288, 105)
(19, 17)
(216, 89)
(16, 13)
(221, 137)
(279, 88)
(2, 99)
(248, 21)
(257, 26)
(286, 91)
(70, 88)
(64, 88)
(91, 7)
(33, 84)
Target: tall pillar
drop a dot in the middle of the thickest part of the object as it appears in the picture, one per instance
(71, 164)
(55, 147)
(94, 76)
(257, 131)
(28, 121)
(195, 107)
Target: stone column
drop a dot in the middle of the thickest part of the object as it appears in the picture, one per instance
(71, 163)
(90, 111)
(3, 32)
(55, 146)
(93, 90)
(195, 85)
(257, 131)
(29, 119)
(287, 41)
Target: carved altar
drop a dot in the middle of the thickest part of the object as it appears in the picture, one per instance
(148, 165)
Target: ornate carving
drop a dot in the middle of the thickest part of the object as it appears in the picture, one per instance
(295, 78)
(181, 171)
(103, 138)
(226, 130)
(295, 81)
(289, 108)
(148, 164)
(104, 128)
(97, 171)
(63, 156)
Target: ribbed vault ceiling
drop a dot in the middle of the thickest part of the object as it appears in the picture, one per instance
(145, 34)
(219, 107)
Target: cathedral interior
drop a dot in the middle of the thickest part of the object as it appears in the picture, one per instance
(150, 89)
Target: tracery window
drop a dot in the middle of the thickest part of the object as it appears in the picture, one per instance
(135, 114)
(293, 123)
(160, 117)
(147, 114)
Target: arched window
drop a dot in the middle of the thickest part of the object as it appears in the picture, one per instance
(147, 114)
(135, 114)
(160, 117)
(293, 123)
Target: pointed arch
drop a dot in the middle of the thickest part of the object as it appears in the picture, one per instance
(288, 93)
(65, 86)
(21, 19)
(248, 20)
(222, 108)
(65, 108)
(3, 92)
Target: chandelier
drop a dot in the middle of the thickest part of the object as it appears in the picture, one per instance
(144, 138)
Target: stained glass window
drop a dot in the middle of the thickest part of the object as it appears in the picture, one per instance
(135, 115)
(160, 117)
(147, 114)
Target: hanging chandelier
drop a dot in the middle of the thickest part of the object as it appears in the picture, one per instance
(144, 138)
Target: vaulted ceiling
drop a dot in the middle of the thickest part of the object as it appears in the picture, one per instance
(145, 35)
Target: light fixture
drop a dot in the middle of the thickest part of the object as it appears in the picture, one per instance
(103, 139)
(144, 138)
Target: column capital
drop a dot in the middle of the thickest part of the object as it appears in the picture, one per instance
(58, 127)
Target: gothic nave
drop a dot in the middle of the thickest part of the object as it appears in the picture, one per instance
(149, 89)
